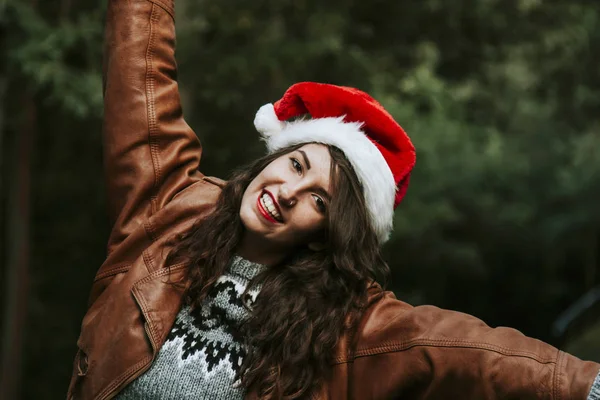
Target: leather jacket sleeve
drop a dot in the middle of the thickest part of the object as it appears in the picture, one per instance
(429, 353)
(150, 153)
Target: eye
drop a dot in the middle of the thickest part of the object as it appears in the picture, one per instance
(320, 204)
(296, 165)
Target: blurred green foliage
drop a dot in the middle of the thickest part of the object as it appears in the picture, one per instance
(500, 97)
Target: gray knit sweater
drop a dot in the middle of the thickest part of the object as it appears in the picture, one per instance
(595, 390)
(203, 352)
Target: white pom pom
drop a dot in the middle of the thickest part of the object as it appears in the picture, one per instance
(266, 121)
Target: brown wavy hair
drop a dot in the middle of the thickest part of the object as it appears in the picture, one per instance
(308, 300)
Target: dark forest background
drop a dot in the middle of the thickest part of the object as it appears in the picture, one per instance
(500, 97)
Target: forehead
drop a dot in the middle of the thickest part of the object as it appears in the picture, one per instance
(318, 152)
(320, 161)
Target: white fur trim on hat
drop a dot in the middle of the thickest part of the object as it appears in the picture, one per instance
(369, 164)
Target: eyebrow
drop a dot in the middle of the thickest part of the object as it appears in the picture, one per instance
(305, 158)
(321, 191)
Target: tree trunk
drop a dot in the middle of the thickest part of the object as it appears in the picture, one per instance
(17, 251)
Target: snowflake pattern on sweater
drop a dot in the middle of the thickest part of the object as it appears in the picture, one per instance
(204, 350)
(211, 331)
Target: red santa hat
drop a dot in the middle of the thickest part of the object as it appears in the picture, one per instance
(377, 147)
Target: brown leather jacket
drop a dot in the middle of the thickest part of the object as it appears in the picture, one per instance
(155, 190)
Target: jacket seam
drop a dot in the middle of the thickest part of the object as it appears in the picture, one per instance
(212, 181)
(113, 271)
(150, 91)
(200, 181)
(158, 273)
(119, 380)
(142, 300)
(148, 262)
(150, 231)
(149, 322)
(396, 347)
(556, 376)
(165, 7)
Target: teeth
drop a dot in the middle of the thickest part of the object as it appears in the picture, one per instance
(270, 207)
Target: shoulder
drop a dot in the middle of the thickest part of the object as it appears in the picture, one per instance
(183, 210)
(389, 325)
(385, 323)
(187, 206)
(204, 191)
(218, 182)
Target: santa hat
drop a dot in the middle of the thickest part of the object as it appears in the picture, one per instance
(377, 147)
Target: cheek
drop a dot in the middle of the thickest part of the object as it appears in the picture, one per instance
(252, 186)
(308, 219)
(245, 202)
(250, 194)
(248, 203)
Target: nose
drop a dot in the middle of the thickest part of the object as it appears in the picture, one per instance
(286, 196)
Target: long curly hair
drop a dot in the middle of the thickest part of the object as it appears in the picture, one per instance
(308, 300)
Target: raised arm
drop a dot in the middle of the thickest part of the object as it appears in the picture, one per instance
(150, 153)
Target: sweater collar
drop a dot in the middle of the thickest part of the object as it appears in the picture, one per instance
(244, 268)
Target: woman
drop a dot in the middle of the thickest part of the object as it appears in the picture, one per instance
(263, 287)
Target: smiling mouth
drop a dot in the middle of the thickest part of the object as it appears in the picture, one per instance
(269, 208)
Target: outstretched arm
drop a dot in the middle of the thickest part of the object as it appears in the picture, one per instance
(150, 153)
(428, 353)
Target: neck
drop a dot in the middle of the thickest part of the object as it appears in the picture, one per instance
(259, 251)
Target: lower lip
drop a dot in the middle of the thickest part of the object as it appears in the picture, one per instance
(264, 212)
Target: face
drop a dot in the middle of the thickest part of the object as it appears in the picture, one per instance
(286, 205)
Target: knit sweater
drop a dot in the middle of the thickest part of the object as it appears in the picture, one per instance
(595, 390)
(203, 351)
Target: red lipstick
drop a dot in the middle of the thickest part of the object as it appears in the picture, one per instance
(264, 212)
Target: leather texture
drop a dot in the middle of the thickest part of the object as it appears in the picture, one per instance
(155, 191)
